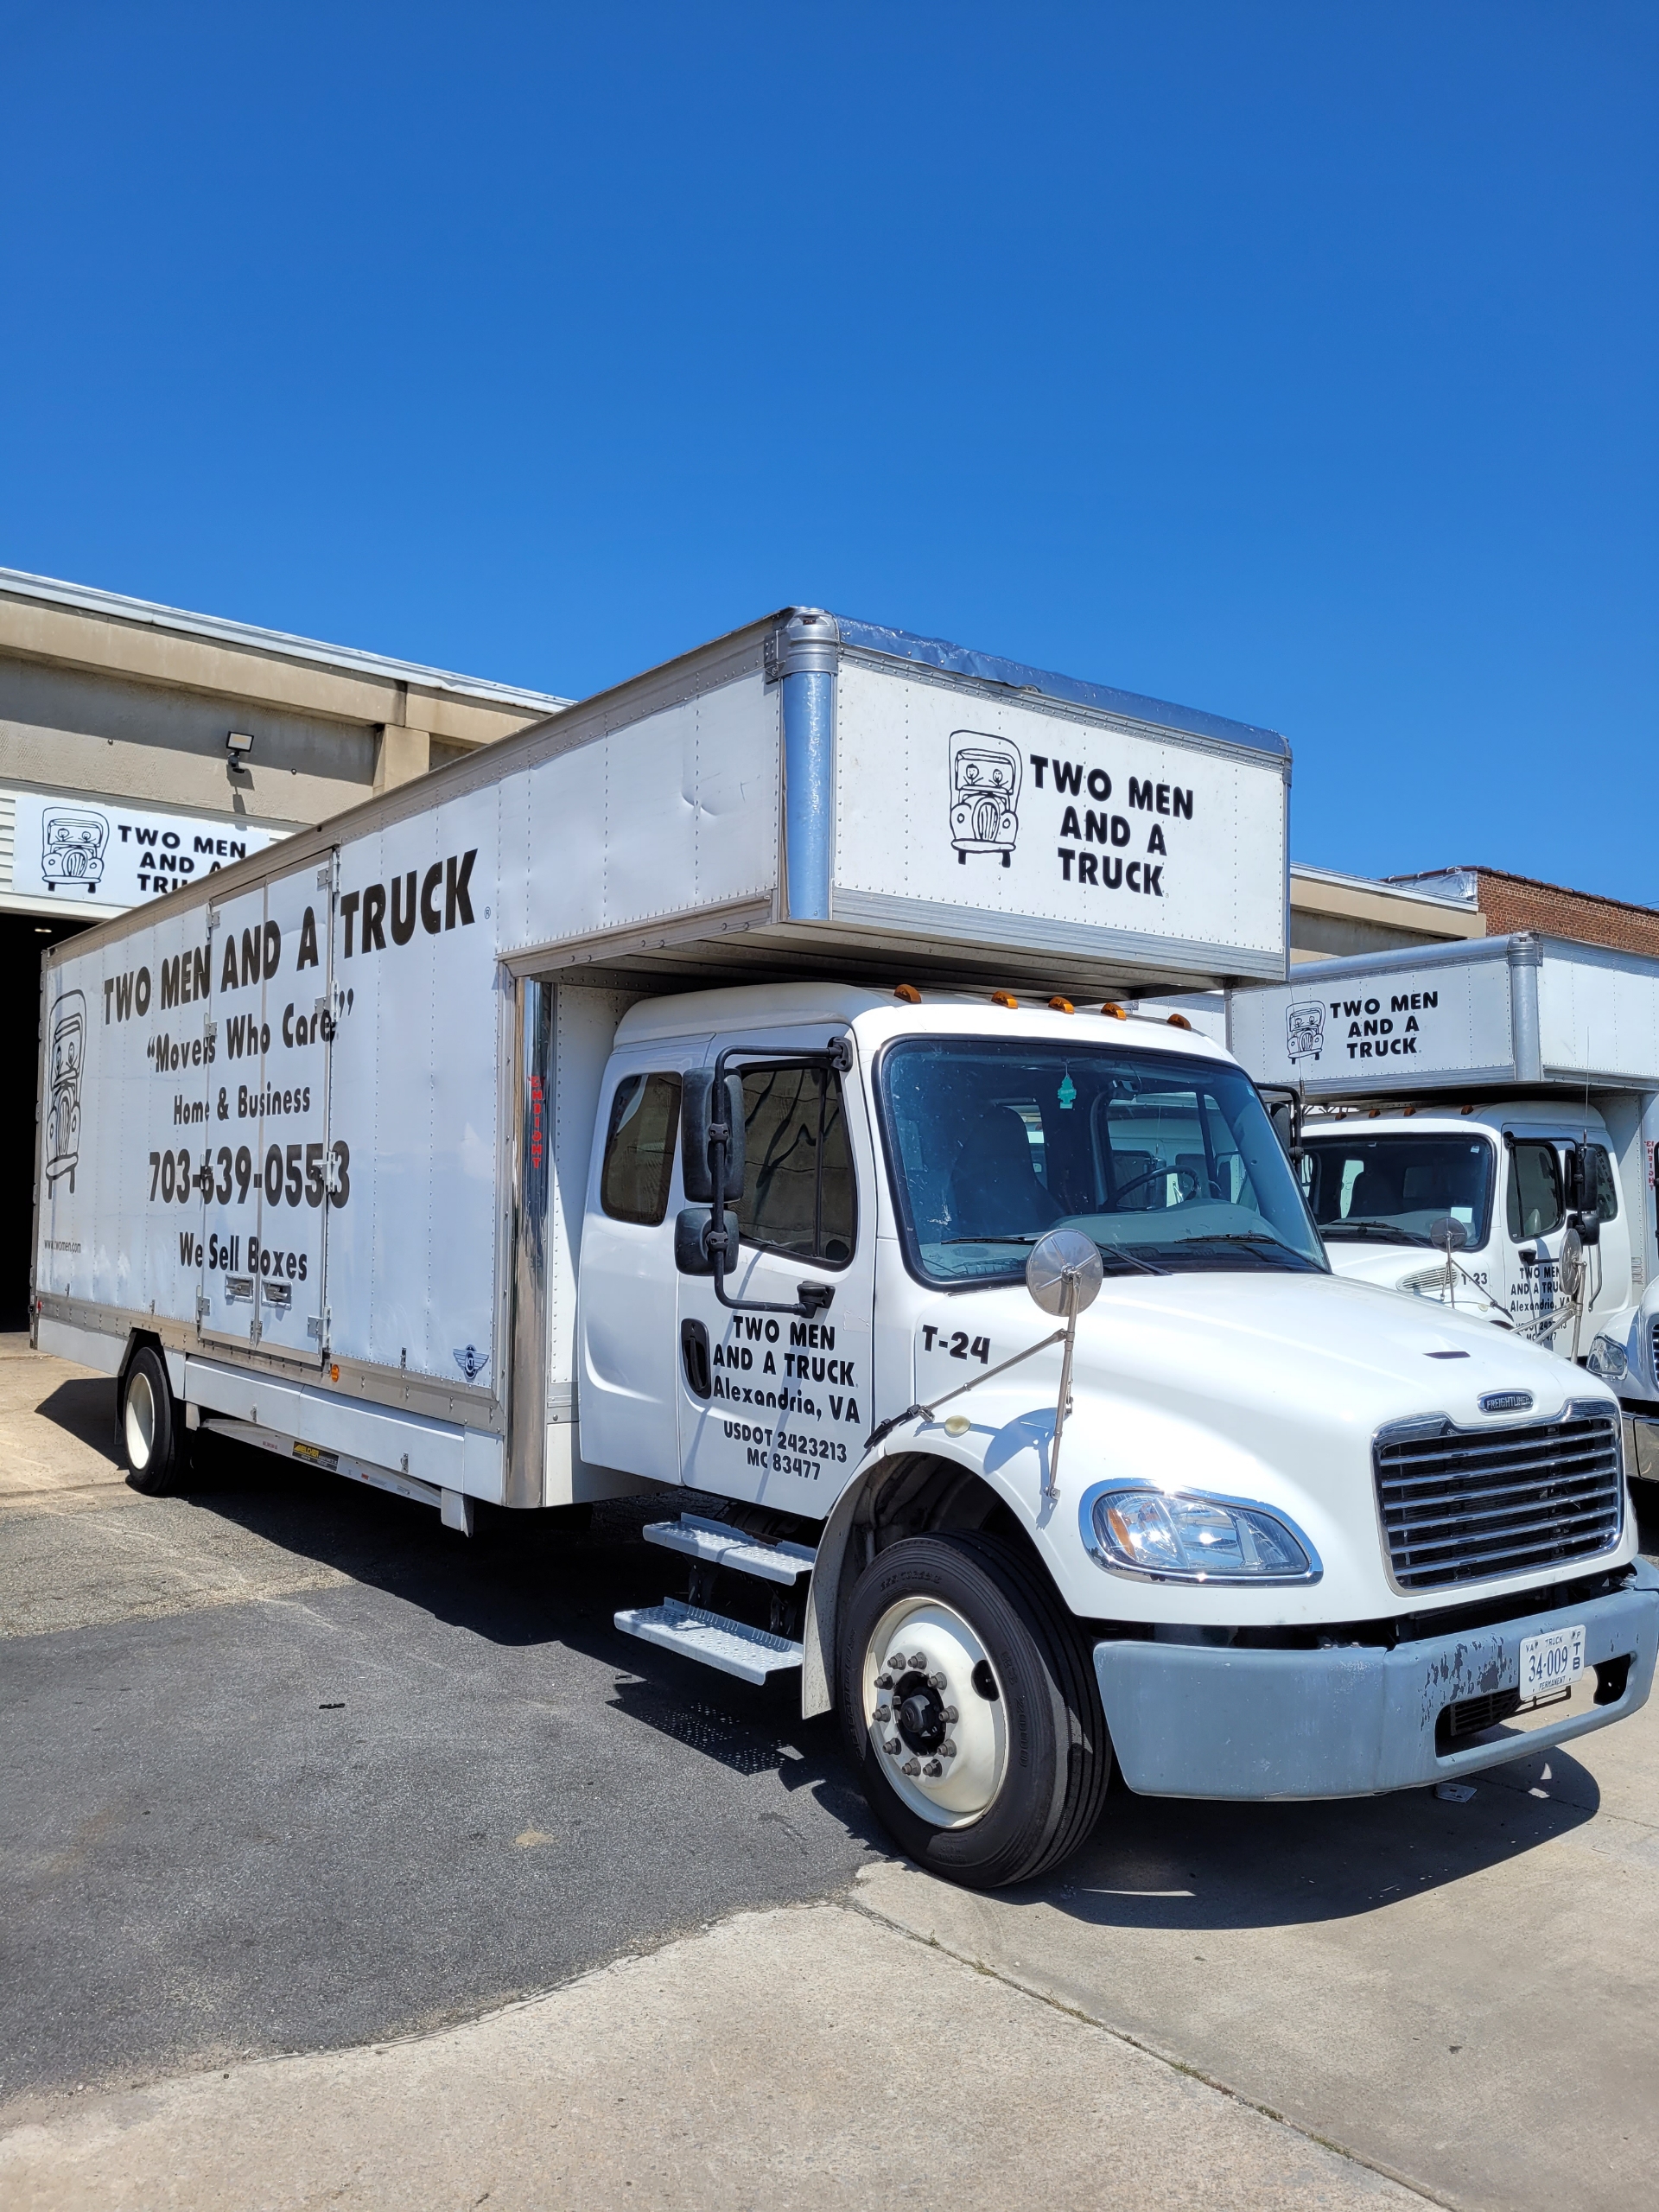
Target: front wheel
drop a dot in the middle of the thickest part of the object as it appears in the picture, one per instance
(969, 1706)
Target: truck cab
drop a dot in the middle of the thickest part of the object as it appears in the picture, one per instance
(1214, 1528)
(1382, 1186)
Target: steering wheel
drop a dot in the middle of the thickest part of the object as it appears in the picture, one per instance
(1185, 1182)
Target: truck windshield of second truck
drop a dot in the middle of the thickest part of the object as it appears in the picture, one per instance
(1393, 1189)
(1169, 1164)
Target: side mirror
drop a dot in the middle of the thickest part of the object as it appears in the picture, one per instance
(1578, 1175)
(1285, 1111)
(1589, 1228)
(691, 1227)
(696, 1111)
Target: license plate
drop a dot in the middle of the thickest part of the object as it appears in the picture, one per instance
(1551, 1662)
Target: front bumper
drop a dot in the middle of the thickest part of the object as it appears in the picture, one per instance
(1205, 1721)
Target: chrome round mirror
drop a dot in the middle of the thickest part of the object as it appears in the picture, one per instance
(1447, 1234)
(1572, 1262)
(1064, 1264)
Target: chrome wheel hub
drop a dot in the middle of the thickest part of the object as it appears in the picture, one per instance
(934, 1712)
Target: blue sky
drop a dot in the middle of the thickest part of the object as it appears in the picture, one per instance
(1295, 361)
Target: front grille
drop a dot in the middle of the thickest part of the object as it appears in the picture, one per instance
(1655, 1351)
(1464, 1505)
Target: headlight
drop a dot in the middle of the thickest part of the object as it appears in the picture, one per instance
(1185, 1536)
(1609, 1359)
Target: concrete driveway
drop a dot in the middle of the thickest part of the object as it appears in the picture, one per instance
(291, 1771)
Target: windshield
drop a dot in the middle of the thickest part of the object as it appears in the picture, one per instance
(1168, 1163)
(1393, 1189)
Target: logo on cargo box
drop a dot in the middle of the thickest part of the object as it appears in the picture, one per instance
(63, 1087)
(1305, 1030)
(985, 774)
(72, 846)
(472, 1361)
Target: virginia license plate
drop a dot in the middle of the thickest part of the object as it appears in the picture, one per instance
(1551, 1663)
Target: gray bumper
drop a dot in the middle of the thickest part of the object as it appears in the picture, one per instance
(1197, 1720)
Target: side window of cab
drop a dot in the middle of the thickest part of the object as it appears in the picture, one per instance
(799, 1188)
(1536, 1205)
(638, 1170)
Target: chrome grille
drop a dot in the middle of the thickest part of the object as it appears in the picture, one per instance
(1655, 1351)
(1466, 1505)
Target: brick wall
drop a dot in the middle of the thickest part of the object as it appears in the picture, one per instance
(1511, 903)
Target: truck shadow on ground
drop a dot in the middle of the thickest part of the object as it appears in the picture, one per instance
(83, 1409)
(1185, 1866)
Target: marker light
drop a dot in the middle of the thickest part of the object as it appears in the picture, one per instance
(1185, 1536)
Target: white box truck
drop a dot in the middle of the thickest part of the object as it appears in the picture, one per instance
(725, 1085)
(1478, 1129)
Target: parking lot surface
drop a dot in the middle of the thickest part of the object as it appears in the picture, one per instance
(292, 1770)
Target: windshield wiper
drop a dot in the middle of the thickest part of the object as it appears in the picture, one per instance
(1106, 1251)
(1388, 1231)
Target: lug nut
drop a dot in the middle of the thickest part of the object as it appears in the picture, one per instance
(918, 1662)
(884, 1681)
(884, 1712)
(911, 1766)
(933, 1769)
(936, 1681)
(947, 1749)
(951, 1715)
(893, 1747)
(896, 1664)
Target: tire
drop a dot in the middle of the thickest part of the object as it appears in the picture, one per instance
(147, 1428)
(1032, 1759)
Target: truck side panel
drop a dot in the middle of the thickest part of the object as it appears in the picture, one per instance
(675, 812)
(415, 1077)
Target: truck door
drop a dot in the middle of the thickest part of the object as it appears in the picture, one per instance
(626, 1309)
(264, 1233)
(1535, 1222)
(774, 1407)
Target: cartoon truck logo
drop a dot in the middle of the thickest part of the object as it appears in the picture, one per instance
(72, 846)
(1305, 1030)
(984, 794)
(63, 1101)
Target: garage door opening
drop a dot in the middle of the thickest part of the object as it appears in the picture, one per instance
(24, 941)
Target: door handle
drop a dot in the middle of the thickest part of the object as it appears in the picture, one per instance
(694, 1353)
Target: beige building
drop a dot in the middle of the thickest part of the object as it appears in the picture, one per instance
(140, 747)
(1335, 917)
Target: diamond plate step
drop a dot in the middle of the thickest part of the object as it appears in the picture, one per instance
(751, 1654)
(720, 1545)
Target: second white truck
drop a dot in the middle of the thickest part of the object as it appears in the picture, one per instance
(1479, 1129)
(726, 1087)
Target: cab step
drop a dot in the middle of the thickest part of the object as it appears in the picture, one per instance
(716, 1543)
(734, 1647)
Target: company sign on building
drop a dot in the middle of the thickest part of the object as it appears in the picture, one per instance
(96, 856)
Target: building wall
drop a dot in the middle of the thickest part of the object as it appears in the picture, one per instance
(1334, 917)
(1514, 902)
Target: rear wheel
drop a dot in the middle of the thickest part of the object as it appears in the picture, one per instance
(968, 1704)
(147, 1424)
